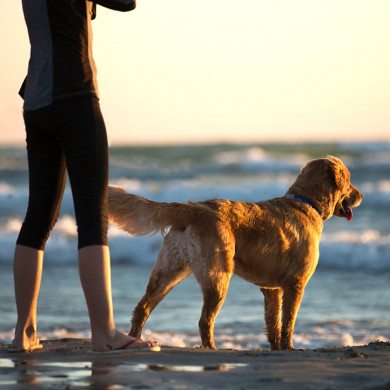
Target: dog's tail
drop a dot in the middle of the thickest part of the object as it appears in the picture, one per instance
(140, 216)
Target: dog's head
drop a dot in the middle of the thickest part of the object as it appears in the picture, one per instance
(326, 183)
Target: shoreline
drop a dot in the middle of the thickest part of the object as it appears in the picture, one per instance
(67, 364)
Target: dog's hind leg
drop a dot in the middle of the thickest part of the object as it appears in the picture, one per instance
(214, 288)
(272, 315)
(160, 284)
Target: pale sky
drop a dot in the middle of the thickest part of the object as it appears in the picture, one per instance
(180, 71)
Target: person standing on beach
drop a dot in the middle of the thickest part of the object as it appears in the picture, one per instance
(65, 132)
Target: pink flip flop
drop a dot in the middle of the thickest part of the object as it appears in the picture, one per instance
(124, 348)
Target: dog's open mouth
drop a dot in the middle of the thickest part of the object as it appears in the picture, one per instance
(346, 211)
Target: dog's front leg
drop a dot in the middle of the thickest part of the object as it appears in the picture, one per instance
(292, 296)
(272, 314)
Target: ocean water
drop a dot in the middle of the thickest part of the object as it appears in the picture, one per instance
(346, 302)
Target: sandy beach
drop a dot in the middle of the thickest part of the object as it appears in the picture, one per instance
(67, 364)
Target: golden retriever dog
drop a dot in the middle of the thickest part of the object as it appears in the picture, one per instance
(272, 244)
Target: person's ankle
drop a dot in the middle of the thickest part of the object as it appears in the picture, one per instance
(25, 337)
(104, 340)
(31, 331)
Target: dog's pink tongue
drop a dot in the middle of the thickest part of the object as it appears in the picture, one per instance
(350, 214)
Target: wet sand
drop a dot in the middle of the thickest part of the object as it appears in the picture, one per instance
(66, 364)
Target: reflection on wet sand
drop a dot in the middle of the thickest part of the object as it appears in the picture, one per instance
(221, 367)
(16, 371)
(95, 375)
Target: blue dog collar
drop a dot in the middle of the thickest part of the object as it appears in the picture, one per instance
(302, 199)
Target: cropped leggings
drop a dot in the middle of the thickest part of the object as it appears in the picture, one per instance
(67, 136)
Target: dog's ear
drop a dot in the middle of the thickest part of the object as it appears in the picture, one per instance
(313, 177)
(338, 173)
(314, 168)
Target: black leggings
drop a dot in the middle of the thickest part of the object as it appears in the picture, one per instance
(66, 136)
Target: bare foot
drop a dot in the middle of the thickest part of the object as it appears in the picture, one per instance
(25, 344)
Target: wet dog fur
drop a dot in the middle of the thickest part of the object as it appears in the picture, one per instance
(272, 244)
